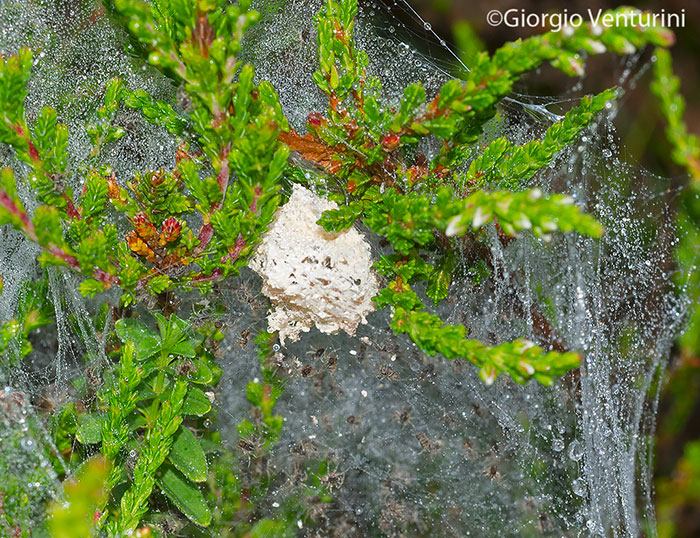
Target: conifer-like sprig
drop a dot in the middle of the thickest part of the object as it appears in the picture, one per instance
(419, 203)
(163, 232)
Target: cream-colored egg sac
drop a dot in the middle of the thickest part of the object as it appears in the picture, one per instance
(314, 277)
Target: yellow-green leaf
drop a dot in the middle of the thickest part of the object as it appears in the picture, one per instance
(334, 78)
(73, 515)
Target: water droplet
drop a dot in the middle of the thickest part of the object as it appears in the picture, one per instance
(575, 451)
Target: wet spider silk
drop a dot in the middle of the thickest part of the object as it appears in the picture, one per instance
(417, 446)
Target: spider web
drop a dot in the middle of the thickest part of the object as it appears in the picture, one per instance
(418, 446)
(503, 460)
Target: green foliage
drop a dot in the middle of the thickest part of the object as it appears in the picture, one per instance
(510, 166)
(364, 143)
(239, 483)
(666, 88)
(147, 399)
(686, 153)
(13, 91)
(263, 396)
(418, 204)
(84, 493)
(187, 455)
(410, 221)
(158, 441)
(102, 132)
(474, 100)
(33, 311)
(27, 480)
(155, 111)
(163, 233)
(681, 491)
(521, 359)
(185, 495)
(236, 123)
(359, 132)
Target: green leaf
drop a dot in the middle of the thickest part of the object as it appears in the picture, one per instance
(173, 332)
(337, 220)
(146, 341)
(159, 284)
(334, 78)
(91, 287)
(203, 375)
(187, 456)
(183, 348)
(47, 224)
(440, 278)
(254, 393)
(413, 98)
(245, 429)
(185, 495)
(270, 527)
(155, 111)
(196, 402)
(90, 428)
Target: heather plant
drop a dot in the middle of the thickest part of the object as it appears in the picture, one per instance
(142, 246)
(681, 488)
